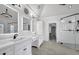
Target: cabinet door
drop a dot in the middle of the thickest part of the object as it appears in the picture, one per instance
(40, 40)
(22, 51)
(7, 51)
(23, 48)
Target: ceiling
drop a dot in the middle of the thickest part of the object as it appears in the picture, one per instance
(47, 10)
(56, 9)
(36, 8)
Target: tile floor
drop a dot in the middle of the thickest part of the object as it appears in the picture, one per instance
(52, 48)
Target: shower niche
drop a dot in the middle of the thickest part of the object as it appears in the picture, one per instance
(8, 20)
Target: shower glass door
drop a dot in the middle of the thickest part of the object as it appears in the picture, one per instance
(68, 32)
(77, 32)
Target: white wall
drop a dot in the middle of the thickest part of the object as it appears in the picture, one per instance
(57, 10)
(52, 13)
(47, 21)
(34, 22)
(61, 36)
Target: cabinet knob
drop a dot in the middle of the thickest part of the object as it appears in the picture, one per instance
(25, 49)
(3, 53)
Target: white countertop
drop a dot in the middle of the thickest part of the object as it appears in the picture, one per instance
(11, 41)
(7, 40)
(5, 43)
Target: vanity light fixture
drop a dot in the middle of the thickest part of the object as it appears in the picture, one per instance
(6, 14)
(16, 5)
(13, 4)
(26, 11)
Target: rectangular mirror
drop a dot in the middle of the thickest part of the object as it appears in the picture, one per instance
(26, 24)
(8, 20)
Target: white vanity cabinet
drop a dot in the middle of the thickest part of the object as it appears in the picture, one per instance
(16, 47)
(38, 39)
(23, 48)
(9, 50)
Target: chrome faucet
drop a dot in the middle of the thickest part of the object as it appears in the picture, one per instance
(15, 35)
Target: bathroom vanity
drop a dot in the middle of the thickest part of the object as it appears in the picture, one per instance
(17, 22)
(19, 46)
(9, 25)
(37, 38)
(23, 46)
(6, 47)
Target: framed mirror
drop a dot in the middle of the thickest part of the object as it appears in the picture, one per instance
(26, 24)
(8, 20)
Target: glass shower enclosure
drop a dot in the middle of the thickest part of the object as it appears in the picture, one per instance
(70, 31)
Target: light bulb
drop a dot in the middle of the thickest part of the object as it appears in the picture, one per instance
(70, 6)
(62, 21)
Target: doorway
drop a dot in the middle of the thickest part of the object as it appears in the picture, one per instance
(52, 31)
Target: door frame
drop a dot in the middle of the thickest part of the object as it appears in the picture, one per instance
(55, 30)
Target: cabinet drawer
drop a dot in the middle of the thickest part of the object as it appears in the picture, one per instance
(21, 51)
(21, 45)
(24, 50)
(7, 51)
